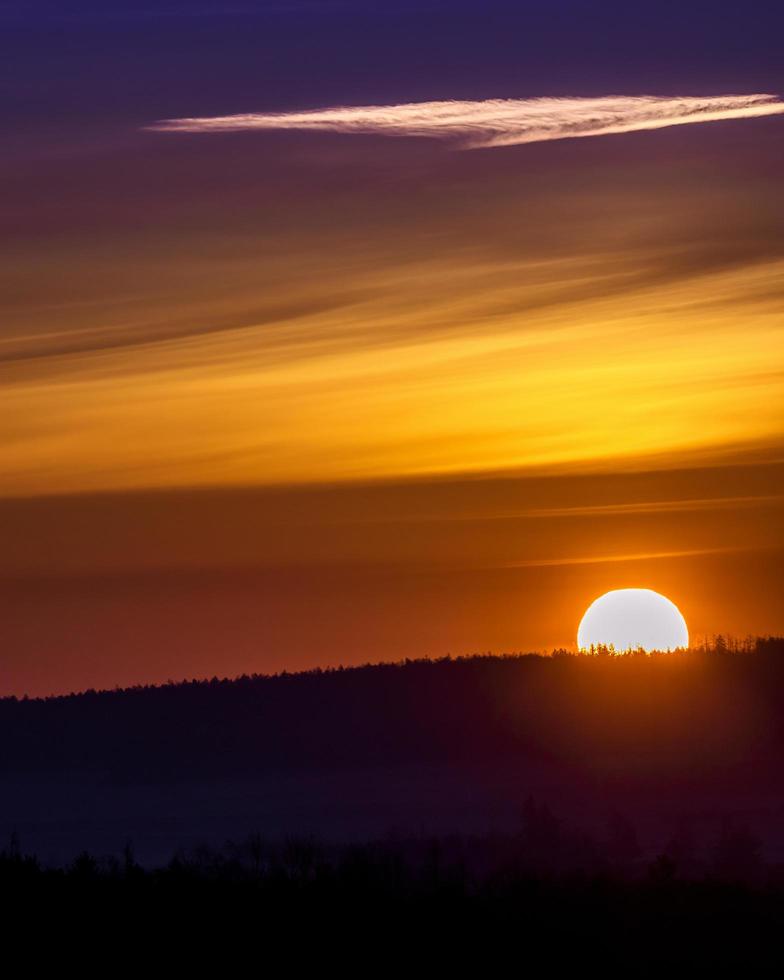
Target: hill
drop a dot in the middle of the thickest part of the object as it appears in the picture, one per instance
(422, 745)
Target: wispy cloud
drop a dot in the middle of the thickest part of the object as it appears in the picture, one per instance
(689, 505)
(635, 556)
(497, 122)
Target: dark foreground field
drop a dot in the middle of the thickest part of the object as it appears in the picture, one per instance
(412, 902)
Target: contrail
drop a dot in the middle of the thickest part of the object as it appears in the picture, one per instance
(497, 122)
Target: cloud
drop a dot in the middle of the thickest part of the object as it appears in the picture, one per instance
(687, 505)
(497, 122)
(635, 556)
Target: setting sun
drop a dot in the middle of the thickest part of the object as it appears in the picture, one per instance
(630, 619)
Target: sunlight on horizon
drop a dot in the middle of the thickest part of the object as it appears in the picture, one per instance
(633, 619)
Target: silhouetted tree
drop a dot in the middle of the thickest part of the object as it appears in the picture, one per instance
(623, 848)
(737, 855)
(541, 833)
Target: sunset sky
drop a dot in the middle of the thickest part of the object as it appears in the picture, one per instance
(324, 339)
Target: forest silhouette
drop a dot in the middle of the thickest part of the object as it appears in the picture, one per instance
(675, 757)
(719, 707)
(486, 896)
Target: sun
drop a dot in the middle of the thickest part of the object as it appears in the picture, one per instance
(630, 619)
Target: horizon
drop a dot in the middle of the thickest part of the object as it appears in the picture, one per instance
(715, 644)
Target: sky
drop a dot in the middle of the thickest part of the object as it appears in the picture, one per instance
(336, 332)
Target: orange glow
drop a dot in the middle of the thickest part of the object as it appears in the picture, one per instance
(281, 400)
(603, 382)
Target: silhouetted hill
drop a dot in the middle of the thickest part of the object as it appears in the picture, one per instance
(442, 744)
(669, 711)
